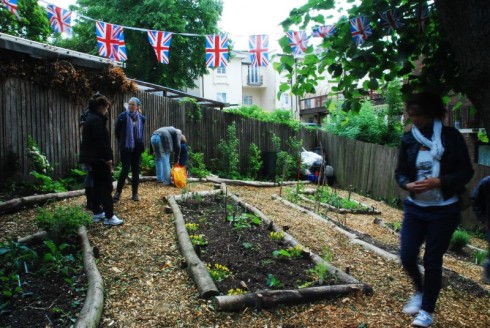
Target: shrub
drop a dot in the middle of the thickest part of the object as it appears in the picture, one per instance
(459, 240)
(196, 165)
(254, 161)
(62, 222)
(147, 162)
(229, 161)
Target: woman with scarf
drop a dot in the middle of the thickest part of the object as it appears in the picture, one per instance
(433, 166)
(129, 134)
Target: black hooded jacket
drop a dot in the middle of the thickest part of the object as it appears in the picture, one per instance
(96, 142)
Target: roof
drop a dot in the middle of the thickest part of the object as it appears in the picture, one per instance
(40, 50)
(176, 94)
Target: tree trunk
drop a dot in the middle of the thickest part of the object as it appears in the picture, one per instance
(271, 298)
(465, 24)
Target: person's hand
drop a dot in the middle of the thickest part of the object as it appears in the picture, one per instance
(423, 185)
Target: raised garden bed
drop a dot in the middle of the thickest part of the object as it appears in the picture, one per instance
(239, 257)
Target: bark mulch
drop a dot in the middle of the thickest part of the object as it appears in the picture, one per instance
(148, 286)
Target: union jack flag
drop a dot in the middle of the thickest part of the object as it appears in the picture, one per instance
(11, 6)
(360, 29)
(421, 15)
(391, 20)
(216, 50)
(323, 31)
(298, 40)
(110, 40)
(160, 41)
(60, 19)
(259, 50)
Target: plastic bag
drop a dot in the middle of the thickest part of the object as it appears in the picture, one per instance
(179, 175)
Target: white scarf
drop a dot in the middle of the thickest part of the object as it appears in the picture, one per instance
(435, 145)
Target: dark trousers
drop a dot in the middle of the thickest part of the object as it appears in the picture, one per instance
(102, 196)
(435, 225)
(129, 159)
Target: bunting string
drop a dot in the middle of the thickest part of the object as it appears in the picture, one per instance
(110, 37)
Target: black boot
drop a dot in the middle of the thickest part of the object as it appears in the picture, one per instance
(116, 197)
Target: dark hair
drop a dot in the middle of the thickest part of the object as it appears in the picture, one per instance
(98, 100)
(430, 104)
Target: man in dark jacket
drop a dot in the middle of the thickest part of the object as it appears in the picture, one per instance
(96, 152)
(481, 206)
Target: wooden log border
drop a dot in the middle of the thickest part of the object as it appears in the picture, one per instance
(259, 299)
(91, 313)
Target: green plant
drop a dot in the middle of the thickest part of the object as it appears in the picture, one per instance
(276, 142)
(39, 160)
(194, 113)
(247, 246)
(196, 165)
(57, 260)
(291, 252)
(117, 172)
(147, 162)
(228, 162)
(63, 221)
(480, 256)
(254, 161)
(47, 183)
(277, 236)
(236, 291)
(191, 226)
(273, 281)
(245, 220)
(267, 262)
(218, 272)
(198, 240)
(459, 239)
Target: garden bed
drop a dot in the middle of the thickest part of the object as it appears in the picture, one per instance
(249, 259)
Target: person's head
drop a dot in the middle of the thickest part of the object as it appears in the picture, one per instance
(423, 108)
(99, 103)
(183, 139)
(134, 104)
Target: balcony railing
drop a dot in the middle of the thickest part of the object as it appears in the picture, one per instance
(255, 80)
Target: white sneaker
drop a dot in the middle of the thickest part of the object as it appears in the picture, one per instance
(414, 304)
(114, 221)
(98, 217)
(423, 319)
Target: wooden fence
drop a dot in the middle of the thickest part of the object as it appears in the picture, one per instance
(53, 122)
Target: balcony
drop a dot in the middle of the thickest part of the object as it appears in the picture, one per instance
(255, 80)
(313, 105)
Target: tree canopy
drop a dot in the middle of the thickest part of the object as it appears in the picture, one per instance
(33, 23)
(450, 52)
(186, 56)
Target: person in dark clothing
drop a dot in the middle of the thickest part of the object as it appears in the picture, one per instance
(129, 134)
(433, 165)
(480, 199)
(165, 141)
(96, 152)
(184, 153)
(89, 180)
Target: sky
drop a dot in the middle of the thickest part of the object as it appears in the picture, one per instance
(243, 18)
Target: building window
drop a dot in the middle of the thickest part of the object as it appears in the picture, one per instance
(221, 96)
(221, 70)
(247, 100)
(254, 77)
(285, 99)
(307, 103)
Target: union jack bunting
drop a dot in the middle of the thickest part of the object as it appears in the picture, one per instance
(360, 29)
(323, 31)
(421, 15)
(391, 20)
(298, 40)
(160, 41)
(11, 5)
(259, 50)
(60, 19)
(110, 40)
(216, 50)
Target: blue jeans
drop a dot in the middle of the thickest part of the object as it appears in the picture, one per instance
(162, 160)
(435, 225)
